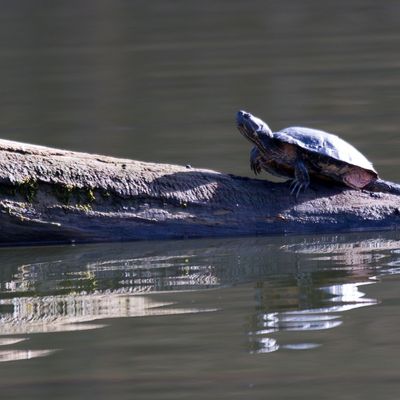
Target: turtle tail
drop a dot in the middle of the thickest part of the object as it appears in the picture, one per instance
(379, 185)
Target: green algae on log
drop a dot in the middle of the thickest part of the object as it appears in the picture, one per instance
(51, 196)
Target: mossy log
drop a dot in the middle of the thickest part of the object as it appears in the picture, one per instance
(49, 196)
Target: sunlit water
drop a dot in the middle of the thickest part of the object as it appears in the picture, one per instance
(277, 318)
(199, 318)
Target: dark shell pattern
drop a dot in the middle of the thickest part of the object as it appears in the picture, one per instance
(326, 144)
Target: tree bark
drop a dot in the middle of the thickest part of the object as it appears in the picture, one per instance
(49, 195)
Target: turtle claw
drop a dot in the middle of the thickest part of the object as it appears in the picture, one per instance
(256, 168)
(297, 186)
(301, 179)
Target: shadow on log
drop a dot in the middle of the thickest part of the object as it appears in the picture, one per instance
(52, 196)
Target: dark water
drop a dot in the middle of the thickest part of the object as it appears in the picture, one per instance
(162, 80)
(281, 318)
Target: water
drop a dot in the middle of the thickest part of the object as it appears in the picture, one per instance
(162, 81)
(284, 317)
(301, 317)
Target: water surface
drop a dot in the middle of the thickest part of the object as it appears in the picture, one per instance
(225, 318)
(162, 81)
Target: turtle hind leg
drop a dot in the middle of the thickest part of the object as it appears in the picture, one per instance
(301, 179)
(379, 185)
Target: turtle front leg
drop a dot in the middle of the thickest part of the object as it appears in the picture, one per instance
(255, 160)
(301, 179)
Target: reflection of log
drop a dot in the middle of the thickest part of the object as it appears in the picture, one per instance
(49, 195)
(54, 288)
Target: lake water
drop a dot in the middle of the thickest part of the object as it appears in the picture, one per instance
(279, 317)
(299, 317)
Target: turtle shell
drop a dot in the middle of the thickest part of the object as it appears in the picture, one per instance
(326, 144)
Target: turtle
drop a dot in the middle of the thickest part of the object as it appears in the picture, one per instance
(298, 153)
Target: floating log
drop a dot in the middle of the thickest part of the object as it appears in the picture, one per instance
(53, 196)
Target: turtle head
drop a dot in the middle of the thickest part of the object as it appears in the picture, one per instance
(251, 127)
